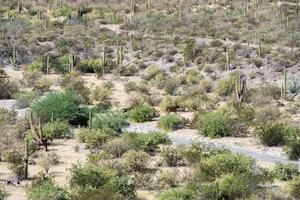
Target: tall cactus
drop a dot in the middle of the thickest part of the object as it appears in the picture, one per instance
(13, 58)
(132, 6)
(284, 85)
(20, 5)
(103, 59)
(26, 157)
(90, 120)
(240, 88)
(227, 58)
(259, 48)
(149, 5)
(72, 60)
(48, 65)
(38, 132)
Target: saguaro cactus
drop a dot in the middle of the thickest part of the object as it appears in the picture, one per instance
(20, 5)
(48, 65)
(103, 59)
(132, 6)
(284, 85)
(38, 132)
(240, 88)
(26, 157)
(72, 60)
(13, 58)
(227, 57)
(90, 120)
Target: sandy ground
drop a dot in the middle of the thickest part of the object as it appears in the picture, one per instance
(65, 150)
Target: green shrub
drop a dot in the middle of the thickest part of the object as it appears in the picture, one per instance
(118, 146)
(102, 96)
(226, 86)
(96, 138)
(172, 156)
(214, 124)
(130, 86)
(293, 149)
(88, 65)
(176, 194)
(7, 88)
(142, 113)
(195, 153)
(169, 104)
(135, 160)
(294, 187)
(57, 130)
(3, 193)
(153, 139)
(65, 11)
(168, 178)
(115, 120)
(152, 72)
(47, 190)
(276, 134)
(36, 65)
(62, 105)
(7, 117)
(74, 83)
(285, 172)
(171, 122)
(94, 181)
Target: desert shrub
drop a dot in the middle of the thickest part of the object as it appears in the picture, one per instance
(227, 175)
(130, 86)
(176, 194)
(195, 153)
(169, 104)
(36, 65)
(206, 85)
(60, 105)
(102, 96)
(46, 190)
(226, 86)
(57, 129)
(142, 113)
(7, 117)
(74, 83)
(168, 178)
(42, 85)
(151, 141)
(172, 156)
(96, 138)
(7, 88)
(171, 122)
(293, 149)
(48, 160)
(127, 71)
(3, 193)
(267, 114)
(294, 187)
(276, 134)
(135, 160)
(118, 146)
(25, 98)
(214, 124)
(115, 120)
(152, 72)
(285, 172)
(87, 65)
(65, 11)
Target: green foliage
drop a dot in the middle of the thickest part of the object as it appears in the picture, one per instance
(135, 160)
(276, 134)
(97, 181)
(47, 190)
(88, 65)
(57, 130)
(214, 124)
(115, 120)
(226, 86)
(7, 117)
(62, 105)
(64, 11)
(36, 65)
(169, 104)
(171, 122)
(285, 172)
(7, 88)
(152, 72)
(142, 113)
(153, 139)
(74, 83)
(3, 193)
(293, 149)
(102, 96)
(294, 187)
(96, 138)
(176, 194)
(227, 175)
(172, 156)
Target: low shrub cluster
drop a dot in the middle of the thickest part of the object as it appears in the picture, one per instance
(142, 113)
(171, 122)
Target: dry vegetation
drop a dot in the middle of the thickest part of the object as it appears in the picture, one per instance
(149, 99)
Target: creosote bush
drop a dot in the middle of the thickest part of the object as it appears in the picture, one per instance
(142, 113)
(171, 122)
(115, 120)
(285, 172)
(135, 160)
